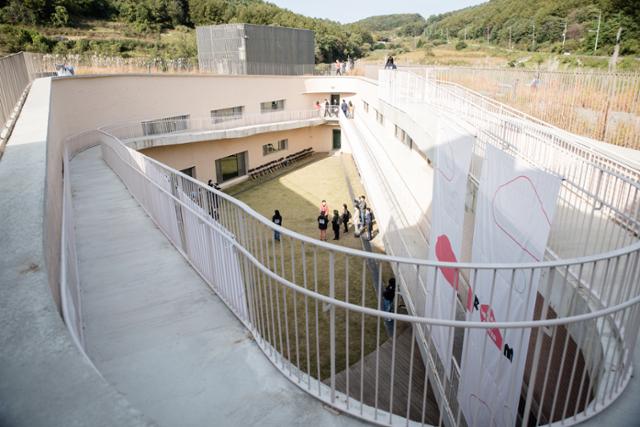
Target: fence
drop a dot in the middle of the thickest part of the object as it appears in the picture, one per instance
(99, 64)
(602, 106)
(314, 308)
(16, 73)
(145, 133)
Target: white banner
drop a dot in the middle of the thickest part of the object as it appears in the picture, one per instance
(452, 159)
(515, 207)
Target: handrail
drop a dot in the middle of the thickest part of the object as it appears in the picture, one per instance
(267, 338)
(215, 231)
(366, 310)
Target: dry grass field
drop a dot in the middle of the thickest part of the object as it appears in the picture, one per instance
(289, 321)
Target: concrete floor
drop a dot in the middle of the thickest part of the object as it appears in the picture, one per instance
(155, 330)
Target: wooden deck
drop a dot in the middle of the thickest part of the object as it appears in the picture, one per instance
(406, 388)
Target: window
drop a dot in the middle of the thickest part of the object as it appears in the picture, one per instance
(282, 144)
(365, 105)
(379, 117)
(189, 171)
(403, 136)
(269, 106)
(399, 133)
(231, 167)
(408, 141)
(165, 125)
(224, 114)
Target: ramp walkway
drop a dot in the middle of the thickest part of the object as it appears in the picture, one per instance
(155, 330)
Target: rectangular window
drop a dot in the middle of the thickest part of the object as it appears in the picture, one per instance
(398, 132)
(269, 106)
(165, 125)
(224, 114)
(189, 171)
(379, 117)
(282, 144)
(231, 166)
(365, 105)
(408, 141)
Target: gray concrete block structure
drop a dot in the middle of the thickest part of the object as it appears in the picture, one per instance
(255, 49)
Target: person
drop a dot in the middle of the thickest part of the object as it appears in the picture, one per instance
(368, 222)
(345, 108)
(346, 216)
(317, 107)
(323, 222)
(324, 208)
(338, 68)
(210, 183)
(362, 207)
(334, 108)
(343, 67)
(327, 109)
(388, 295)
(277, 220)
(335, 224)
(389, 64)
(352, 109)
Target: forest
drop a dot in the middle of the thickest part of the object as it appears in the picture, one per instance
(36, 25)
(542, 25)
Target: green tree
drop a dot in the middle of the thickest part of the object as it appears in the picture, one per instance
(60, 17)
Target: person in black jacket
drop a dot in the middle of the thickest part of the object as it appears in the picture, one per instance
(277, 219)
(388, 295)
(335, 224)
(346, 216)
(323, 223)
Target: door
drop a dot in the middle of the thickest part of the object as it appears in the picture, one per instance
(335, 103)
(336, 139)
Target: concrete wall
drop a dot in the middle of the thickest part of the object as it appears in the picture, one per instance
(84, 103)
(203, 154)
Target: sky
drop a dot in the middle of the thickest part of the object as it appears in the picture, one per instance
(352, 10)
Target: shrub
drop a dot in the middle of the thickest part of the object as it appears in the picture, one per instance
(60, 17)
(461, 45)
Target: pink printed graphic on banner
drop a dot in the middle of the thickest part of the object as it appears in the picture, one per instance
(444, 253)
(518, 184)
(486, 315)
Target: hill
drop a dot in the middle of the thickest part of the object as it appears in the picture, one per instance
(391, 22)
(540, 25)
(154, 27)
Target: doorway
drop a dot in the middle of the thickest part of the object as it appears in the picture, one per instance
(337, 135)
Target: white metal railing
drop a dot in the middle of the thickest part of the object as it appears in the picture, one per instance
(146, 132)
(314, 311)
(17, 71)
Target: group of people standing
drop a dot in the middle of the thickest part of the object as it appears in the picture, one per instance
(342, 68)
(327, 109)
(364, 221)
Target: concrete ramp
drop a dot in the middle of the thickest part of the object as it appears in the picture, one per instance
(157, 332)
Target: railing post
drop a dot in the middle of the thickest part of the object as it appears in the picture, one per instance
(332, 326)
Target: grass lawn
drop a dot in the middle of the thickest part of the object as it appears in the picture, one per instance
(297, 194)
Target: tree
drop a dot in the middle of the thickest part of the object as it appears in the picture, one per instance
(60, 17)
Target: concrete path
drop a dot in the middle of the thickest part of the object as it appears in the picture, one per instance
(157, 332)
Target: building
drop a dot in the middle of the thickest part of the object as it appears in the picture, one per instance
(131, 293)
(255, 49)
